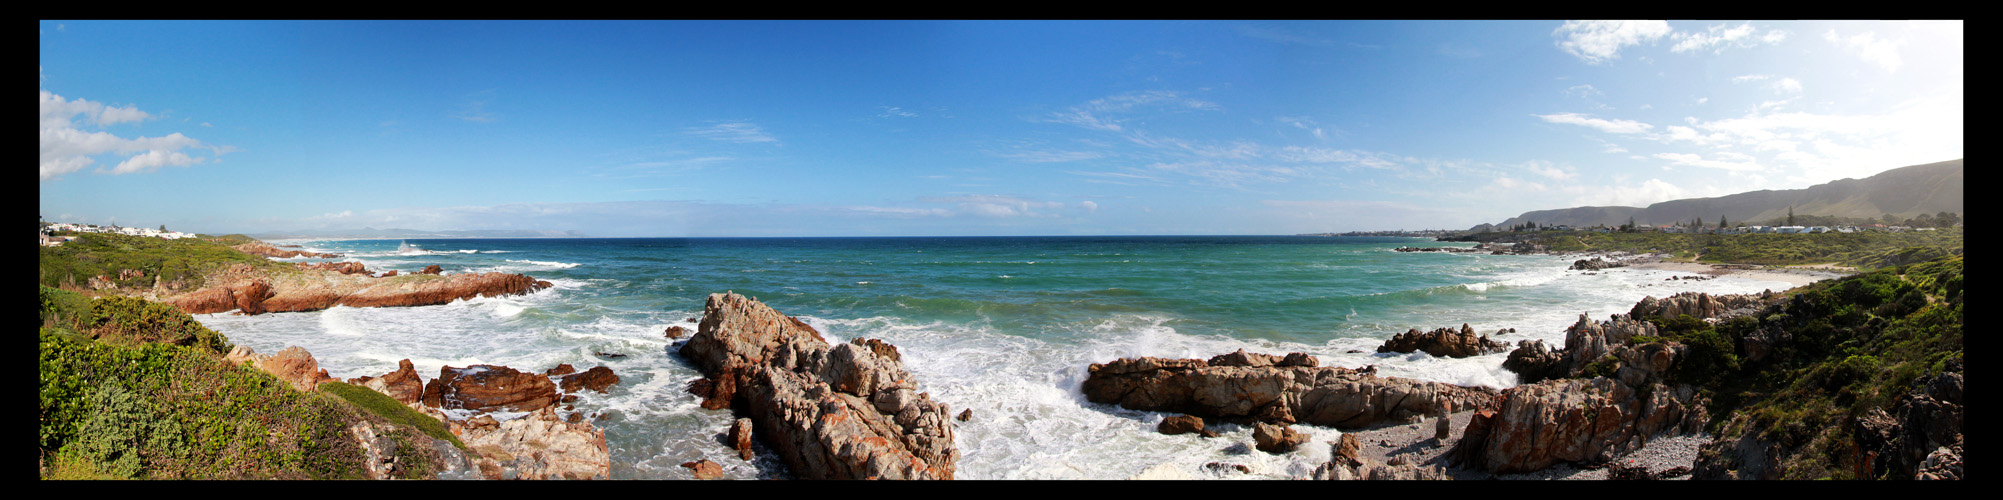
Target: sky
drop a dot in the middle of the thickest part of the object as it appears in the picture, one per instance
(965, 128)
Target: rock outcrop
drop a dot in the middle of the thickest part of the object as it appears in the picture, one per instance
(293, 365)
(1445, 342)
(432, 269)
(265, 250)
(1583, 420)
(403, 384)
(539, 446)
(841, 411)
(1702, 305)
(595, 379)
(1271, 438)
(1255, 387)
(317, 291)
(489, 388)
(1585, 342)
(339, 267)
(1595, 264)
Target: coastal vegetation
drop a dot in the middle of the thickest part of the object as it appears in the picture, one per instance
(176, 263)
(1862, 250)
(137, 390)
(1801, 374)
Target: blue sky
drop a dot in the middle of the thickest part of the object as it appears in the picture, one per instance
(913, 128)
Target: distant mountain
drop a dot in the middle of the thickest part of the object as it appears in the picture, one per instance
(370, 232)
(1903, 192)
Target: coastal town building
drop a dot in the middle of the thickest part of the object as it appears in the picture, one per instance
(48, 238)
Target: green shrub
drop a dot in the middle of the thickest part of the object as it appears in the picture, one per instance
(389, 409)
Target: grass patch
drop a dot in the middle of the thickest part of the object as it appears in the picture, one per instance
(389, 409)
(176, 263)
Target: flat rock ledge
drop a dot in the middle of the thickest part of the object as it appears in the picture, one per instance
(840, 411)
(317, 290)
(1273, 389)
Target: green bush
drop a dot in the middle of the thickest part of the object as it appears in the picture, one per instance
(389, 409)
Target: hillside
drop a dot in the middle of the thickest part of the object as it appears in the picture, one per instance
(1902, 192)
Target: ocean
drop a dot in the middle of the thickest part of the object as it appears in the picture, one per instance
(1005, 326)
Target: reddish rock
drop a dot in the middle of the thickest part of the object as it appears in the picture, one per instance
(704, 469)
(842, 411)
(675, 332)
(1271, 438)
(441, 291)
(402, 384)
(1320, 395)
(966, 414)
(432, 269)
(293, 365)
(560, 370)
(1180, 424)
(489, 388)
(740, 437)
(262, 249)
(596, 379)
(339, 267)
(388, 273)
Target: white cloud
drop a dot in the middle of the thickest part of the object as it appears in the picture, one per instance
(1718, 37)
(1610, 126)
(1744, 163)
(891, 111)
(1599, 41)
(1867, 45)
(1546, 169)
(66, 149)
(737, 132)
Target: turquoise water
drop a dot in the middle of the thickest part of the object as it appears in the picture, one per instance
(1003, 326)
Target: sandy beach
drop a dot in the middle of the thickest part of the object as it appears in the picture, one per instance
(1793, 275)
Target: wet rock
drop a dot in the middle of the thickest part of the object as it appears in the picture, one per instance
(489, 388)
(675, 332)
(597, 379)
(432, 269)
(740, 438)
(1271, 438)
(1445, 342)
(1180, 424)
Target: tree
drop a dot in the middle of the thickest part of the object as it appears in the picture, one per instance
(163, 228)
(1721, 222)
(1790, 215)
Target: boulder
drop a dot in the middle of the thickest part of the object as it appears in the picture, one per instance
(1702, 305)
(704, 469)
(1272, 438)
(1595, 264)
(675, 332)
(1446, 342)
(388, 273)
(1581, 420)
(841, 411)
(1180, 424)
(489, 388)
(560, 370)
(597, 379)
(432, 269)
(1319, 395)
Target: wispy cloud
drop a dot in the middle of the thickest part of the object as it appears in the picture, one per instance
(1107, 113)
(1597, 42)
(734, 132)
(475, 108)
(1611, 126)
(894, 112)
(1719, 37)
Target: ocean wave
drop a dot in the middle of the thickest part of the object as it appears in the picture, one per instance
(550, 264)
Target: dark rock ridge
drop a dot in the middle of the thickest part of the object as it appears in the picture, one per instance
(841, 411)
(489, 388)
(1595, 264)
(1585, 342)
(1448, 342)
(1267, 388)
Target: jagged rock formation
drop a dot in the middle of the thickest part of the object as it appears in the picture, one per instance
(1271, 438)
(1581, 420)
(1585, 342)
(315, 291)
(1702, 305)
(842, 411)
(1444, 342)
(403, 384)
(1268, 388)
(339, 267)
